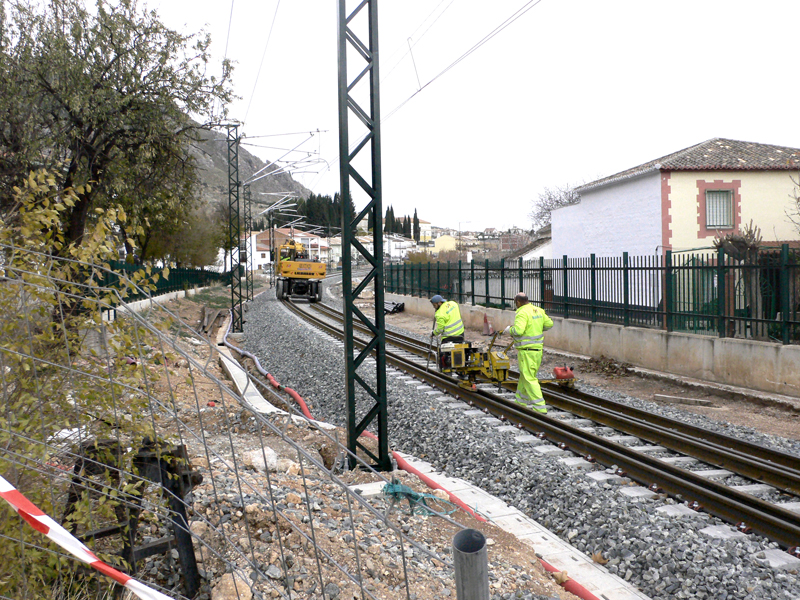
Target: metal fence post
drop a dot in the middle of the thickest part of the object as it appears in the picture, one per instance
(541, 282)
(785, 308)
(521, 281)
(428, 283)
(626, 317)
(472, 280)
(460, 286)
(502, 284)
(486, 303)
(594, 287)
(667, 295)
(566, 291)
(721, 292)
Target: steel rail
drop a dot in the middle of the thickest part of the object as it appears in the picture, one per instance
(779, 476)
(779, 469)
(765, 518)
(742, 446)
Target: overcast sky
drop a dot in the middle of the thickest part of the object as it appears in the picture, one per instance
(570, 91)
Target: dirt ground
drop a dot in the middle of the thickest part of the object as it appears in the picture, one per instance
(513, 564)
(776, 418)
(513, 561)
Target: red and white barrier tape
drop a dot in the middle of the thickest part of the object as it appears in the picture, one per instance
(44, 524)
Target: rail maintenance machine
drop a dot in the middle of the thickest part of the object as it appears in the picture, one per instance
(297, 275)
(474, 366)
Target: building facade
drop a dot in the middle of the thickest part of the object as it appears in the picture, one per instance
(682, 201)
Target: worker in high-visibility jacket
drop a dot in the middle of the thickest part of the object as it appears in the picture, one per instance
(528, 329)
(448, 320)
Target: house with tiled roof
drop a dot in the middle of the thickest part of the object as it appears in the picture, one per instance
(682, 201)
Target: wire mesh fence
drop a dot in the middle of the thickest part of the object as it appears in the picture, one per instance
(119, 426)
(705, 292)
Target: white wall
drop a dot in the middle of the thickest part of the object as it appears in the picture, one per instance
(617, 218)
(544, 251)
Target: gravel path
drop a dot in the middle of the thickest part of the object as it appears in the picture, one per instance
(664, 557)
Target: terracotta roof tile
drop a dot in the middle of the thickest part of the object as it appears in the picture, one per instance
(717, 154)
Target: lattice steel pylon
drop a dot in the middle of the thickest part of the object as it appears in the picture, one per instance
(234, 226)
(249, 259)
(364, 16)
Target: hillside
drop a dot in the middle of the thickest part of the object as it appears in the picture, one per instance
(211, 154)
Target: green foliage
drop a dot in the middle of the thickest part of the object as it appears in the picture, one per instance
(325, 211)
(54, 379)
(100, 98)
(401, 226)
(416, 258)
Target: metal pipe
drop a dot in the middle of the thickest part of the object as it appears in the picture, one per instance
(471, 563)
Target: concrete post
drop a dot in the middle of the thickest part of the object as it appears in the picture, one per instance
(471, 565)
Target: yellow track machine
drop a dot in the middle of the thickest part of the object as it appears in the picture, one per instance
(297, 275)
(473, 366)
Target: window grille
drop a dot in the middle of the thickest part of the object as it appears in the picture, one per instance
(719, 209)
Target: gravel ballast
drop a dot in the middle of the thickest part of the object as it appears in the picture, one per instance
(663, 556)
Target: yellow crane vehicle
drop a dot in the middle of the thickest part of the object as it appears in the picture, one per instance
(297, 275)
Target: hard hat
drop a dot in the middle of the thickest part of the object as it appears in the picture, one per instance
(437, 298)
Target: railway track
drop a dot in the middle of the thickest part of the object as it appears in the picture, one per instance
(600, 430)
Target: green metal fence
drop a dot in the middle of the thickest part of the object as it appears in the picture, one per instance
(177, 280)
(707, 293)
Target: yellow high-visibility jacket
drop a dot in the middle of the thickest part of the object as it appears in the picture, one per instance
(529, 326)
(448, 320)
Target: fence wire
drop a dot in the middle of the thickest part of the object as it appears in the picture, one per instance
(117, 423)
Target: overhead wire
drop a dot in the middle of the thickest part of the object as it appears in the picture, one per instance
(521, 11)
(261, 64)
(508, 21)
(218, 102)
(386, 74)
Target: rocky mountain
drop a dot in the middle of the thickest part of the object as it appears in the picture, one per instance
(211, 154)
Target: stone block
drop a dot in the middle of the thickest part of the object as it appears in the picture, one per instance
(721, 532)
(677, 510)
(681, 400)
(636, 492)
